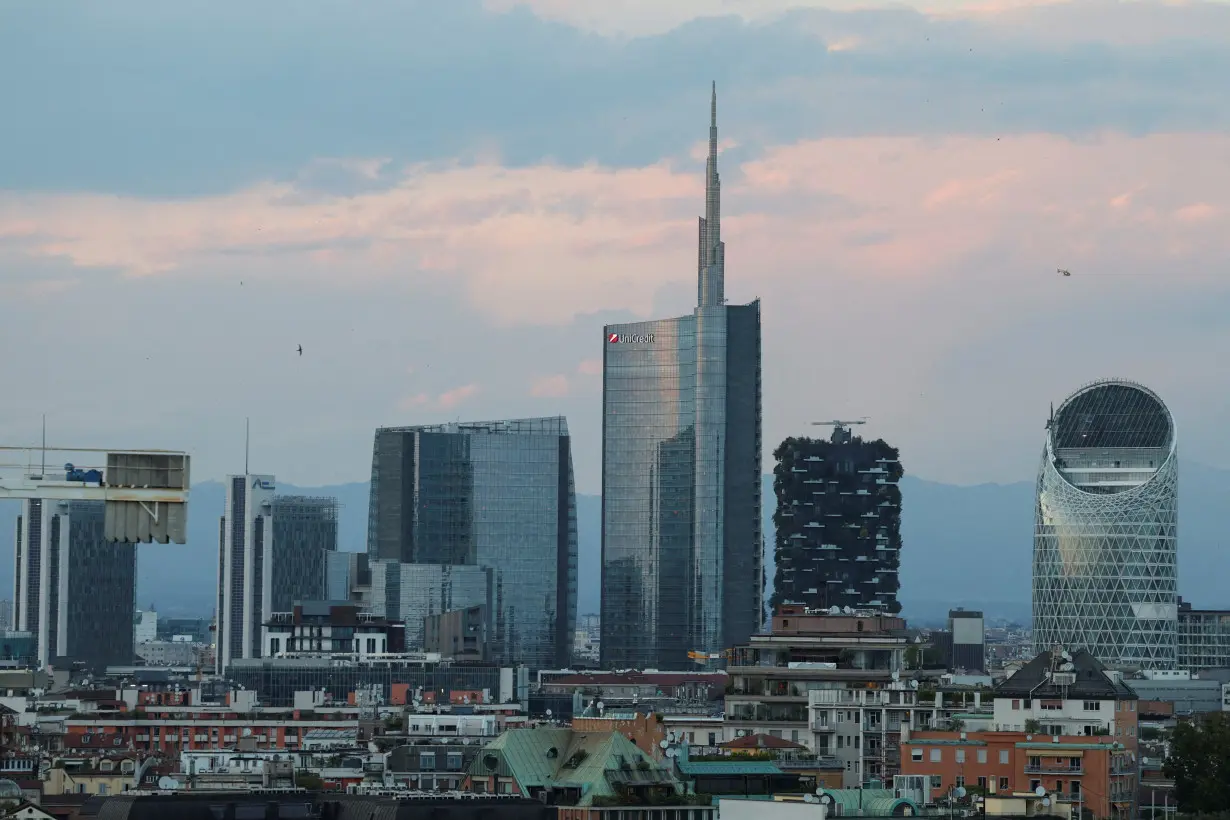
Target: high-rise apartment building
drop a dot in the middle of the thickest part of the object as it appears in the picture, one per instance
(838, 523)
(967, 643)
(74, 591)
(681, 459)
(497, 495)
(272, 553)
(1104, 571)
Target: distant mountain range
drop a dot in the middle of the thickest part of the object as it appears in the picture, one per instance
(962, 546)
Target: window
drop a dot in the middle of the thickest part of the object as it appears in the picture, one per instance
(427, 761)
(960, 755)
(841, 741)
(916, 755)
(1003, 757)
(713, 738)
(982, 783)
(982, 755)
(937, 782)
(937, 755)
(1016, 704)
(960, 781)
(454, 761)
(1092, 705)
(1003, 784)
(1076, 788)
(1034, 784)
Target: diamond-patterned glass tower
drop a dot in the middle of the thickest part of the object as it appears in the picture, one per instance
(1105, 528)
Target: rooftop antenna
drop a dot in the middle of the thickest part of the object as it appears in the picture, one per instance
(247, 443)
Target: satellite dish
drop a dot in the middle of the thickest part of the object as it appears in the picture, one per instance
(672, 753)
(662, 744)
(548, 713)
(810, 798)
(826, 799)
(1041, 792)
(960, 792)
(601, 706)
(1046, 801)
(896, 676)
(168, 783)
(913, 684)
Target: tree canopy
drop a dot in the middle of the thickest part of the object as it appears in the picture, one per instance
(1199, 764)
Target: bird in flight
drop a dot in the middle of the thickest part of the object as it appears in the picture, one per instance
(1060, 270)
(300, 350)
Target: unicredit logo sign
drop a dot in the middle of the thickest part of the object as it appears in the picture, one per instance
(629, 339)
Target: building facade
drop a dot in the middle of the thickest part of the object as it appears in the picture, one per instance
(74, 591)
(838, 523)
(1104, 564)
(1204, 638)
(682, 550)
(245, 582)
(496, 496)
(304, 536)
(968, 648)
(316, 628)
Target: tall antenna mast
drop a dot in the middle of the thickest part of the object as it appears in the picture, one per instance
(247, 443)
(43, 469)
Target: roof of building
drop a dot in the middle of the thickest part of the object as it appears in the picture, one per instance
(551, 757)
(869, 802)
(761, 741)
(731, 767)
(634, 679)
(1092, 682)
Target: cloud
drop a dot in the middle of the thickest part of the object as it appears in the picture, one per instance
(550, 387)
(189, 100)
(590, 367)
(546, 244)
(457, 396)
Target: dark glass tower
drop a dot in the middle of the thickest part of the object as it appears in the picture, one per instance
(304, 535)
(498, 495)
(75, 590)
(681, 537)
(838, 523)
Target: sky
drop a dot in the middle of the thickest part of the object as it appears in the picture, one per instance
(444, 203)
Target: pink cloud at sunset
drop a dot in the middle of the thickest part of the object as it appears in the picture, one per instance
(545, 244)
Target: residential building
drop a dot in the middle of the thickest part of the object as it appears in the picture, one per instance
(682, 548)
(74, 591)
(1104, 573)
(785, 684)
(587, 775)
(1063, 723)
(304, 536)
(436, 764)
(1185, 693)
(1204, 638)
(145, 625)
(838, 522)
(495, 495)
(317, 628)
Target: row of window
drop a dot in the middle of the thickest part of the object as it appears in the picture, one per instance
(937, 756)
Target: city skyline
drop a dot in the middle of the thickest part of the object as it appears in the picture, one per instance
(904, 180)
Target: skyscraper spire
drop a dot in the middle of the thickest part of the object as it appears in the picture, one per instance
(711, 261)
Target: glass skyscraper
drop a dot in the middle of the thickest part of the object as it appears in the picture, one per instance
(498, 495)
(681, 534)
(1105, 576)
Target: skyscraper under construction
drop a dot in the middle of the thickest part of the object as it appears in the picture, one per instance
(838, 522)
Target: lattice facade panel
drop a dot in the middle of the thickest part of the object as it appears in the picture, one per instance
(1104, 564)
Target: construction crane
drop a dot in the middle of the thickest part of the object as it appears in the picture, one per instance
(841, 428)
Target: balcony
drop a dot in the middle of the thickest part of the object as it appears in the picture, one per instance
(1057, 771)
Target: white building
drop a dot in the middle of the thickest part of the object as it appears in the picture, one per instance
(245, 567)
(145, 629)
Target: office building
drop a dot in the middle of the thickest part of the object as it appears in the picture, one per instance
(682, 550)
(1104, 574)
(495, 496)
(1204, 638)
(244, 577)
(272, 553)
(74, 591)
(316, 628)
(414, 592)
(967, 642)
(304, 536)
(838, 523)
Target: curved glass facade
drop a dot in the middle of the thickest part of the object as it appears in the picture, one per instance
(1104, 569)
